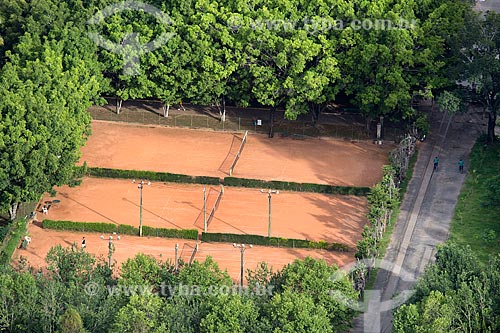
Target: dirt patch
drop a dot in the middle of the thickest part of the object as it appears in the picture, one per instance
(204, 153)
(225, 255)
(311, 216)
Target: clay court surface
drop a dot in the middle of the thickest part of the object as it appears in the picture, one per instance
(225, 255)
(311, 216)
(207, 153)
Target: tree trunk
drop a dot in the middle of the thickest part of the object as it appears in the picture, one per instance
(271, 122)
(119, 102)
(166, 108)
(316, 112)
(368, 122)
(13, 210)
(492, 120)
(223, 114)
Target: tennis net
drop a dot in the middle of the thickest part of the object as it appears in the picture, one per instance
(216, 205)
(238, 154)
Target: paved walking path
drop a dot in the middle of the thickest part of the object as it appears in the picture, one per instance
(426, 213)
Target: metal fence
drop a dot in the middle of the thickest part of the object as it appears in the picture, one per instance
(292, 128)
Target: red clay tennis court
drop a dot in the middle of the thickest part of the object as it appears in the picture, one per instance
(311, 216)
(209, 153)
(225, 255)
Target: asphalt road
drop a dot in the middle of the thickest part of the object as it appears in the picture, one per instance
(425, 216)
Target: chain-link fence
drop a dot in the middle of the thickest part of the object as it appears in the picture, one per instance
(286, 128)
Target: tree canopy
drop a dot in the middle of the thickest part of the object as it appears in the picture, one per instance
(78, 293)
(456, 294)
(57, 59)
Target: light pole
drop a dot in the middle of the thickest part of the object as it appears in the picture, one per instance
(140, 187)
(204, 209)
(111, 248)
(242, 248)
(269, 192)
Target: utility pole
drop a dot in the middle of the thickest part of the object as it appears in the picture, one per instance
(140, 187)
(176, 257)
(269, 193)
(242, 248)
(111, 249)
(204, 209)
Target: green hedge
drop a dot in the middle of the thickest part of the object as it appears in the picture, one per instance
(229, 181)
(151, 175)
(12, 241)
(273, 241)
(297, 187)
(121, 229)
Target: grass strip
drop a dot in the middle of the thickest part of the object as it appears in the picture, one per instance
(476, 219)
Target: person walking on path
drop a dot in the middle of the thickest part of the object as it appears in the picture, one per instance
(461, 166)
(436, 163)
(84, 243)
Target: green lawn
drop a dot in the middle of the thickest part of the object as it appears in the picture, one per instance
(477, 223)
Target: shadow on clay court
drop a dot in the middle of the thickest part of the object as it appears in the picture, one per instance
(231, 155)
(91, 209)
(230, 225)
(37, 223)
(152, 213)
(345, 218)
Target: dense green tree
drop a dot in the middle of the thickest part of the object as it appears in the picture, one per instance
(455, 294)
(479, 66)
(434, 315)
(289, 67)
(47, 87)
(141, 315)
(71, 322)
(318, 279)
(18, 299)
(70, 265)
(204, 274)
(215, 54)
(146, 270)
(293, 312)
(232, 313)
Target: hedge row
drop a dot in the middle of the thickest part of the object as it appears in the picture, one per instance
(121, 229)
(273, 241)
(151, 175)
(11, 241)
(297, 187)
(228, 181)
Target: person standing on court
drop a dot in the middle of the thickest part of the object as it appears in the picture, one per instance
(84, 243)
(461, 166)
(436, 163)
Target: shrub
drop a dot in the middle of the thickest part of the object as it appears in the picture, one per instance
(297, 187)
(120, 229)
(229, 181)
(152, 175)
(273, 241)
(17, 231)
